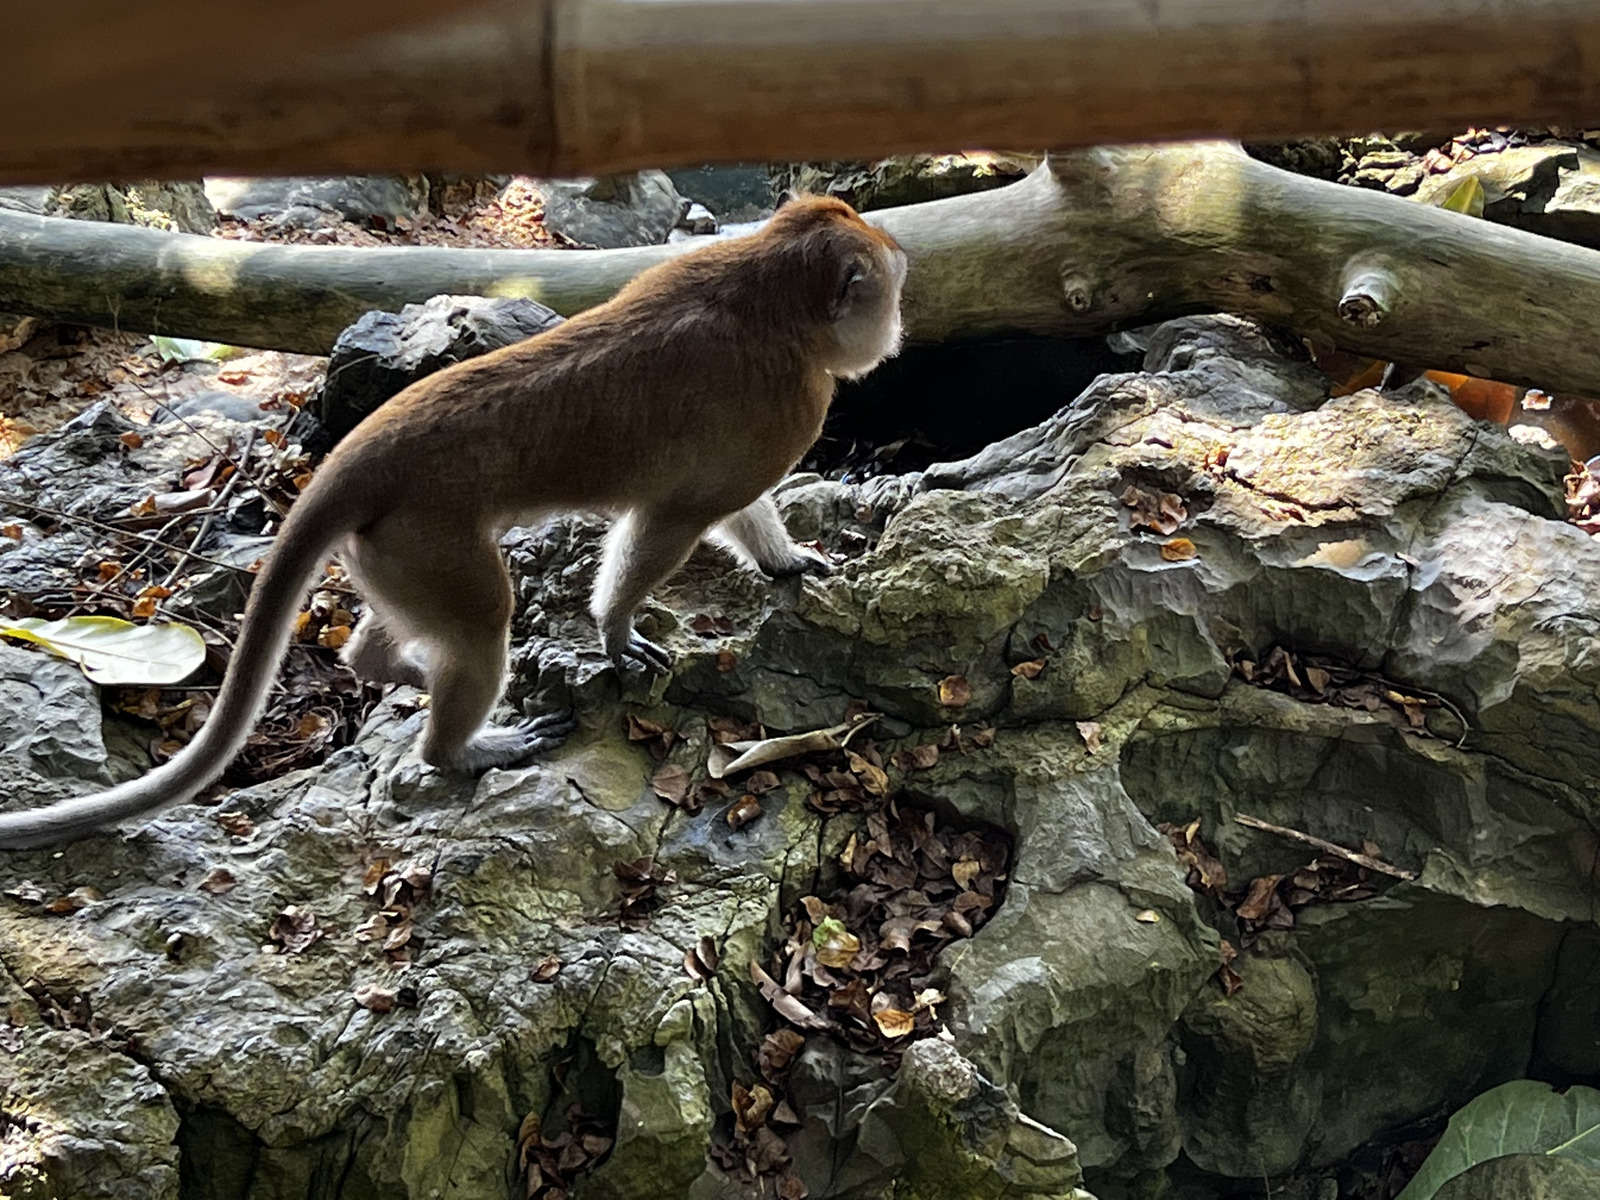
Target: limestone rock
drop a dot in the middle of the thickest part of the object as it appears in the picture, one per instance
(1393, 536)
(383, 352)
(614, 210)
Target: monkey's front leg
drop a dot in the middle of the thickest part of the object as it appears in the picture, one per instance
(756, 533)
(643, 547)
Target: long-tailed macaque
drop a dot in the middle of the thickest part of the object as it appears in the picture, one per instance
(676, 405)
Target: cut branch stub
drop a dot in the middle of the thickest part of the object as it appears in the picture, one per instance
(1369, 294)
(1077, 292)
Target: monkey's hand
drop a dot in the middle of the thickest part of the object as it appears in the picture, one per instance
(801, 560)
(638, 649)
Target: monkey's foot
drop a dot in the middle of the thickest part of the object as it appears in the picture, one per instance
(506, 745)
(643, 651)
(802, 561)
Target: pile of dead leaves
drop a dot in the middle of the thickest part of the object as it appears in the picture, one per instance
(399, 888)
(754, 1151)
(1583, 496)
(295, 930)
(550, 1163)
(1270, 902)
(641, 882)
(1150, 508)
(857, 965)
(1317, 679)
(75, 1012)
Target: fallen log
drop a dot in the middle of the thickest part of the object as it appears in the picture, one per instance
(1091, 242)
(95, 89)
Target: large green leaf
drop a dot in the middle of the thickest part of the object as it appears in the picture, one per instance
(1521, 1117)
(112, 651)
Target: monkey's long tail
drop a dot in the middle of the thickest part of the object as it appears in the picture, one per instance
(313, 527)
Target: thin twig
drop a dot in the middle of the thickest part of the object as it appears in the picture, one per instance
(102, 588)
(71, 518)
(201, 534)
(1361, 860)
(236, 464)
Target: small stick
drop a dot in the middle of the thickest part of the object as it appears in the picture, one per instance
(236, 463)
(1361, 860)
(185, 553)
(67, 518)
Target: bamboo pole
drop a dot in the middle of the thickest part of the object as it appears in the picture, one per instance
(97, 89)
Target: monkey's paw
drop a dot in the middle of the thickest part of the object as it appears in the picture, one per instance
(643, 651)
(506, 745)
(803, 560)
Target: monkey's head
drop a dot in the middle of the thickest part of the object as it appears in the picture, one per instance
(852, 276)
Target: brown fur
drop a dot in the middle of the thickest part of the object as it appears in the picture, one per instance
(677, 404)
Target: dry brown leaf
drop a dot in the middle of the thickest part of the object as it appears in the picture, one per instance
(78, 898)
(746, 809)
(1178, 550)
(918, 758)
(964, 871)
(218, 881)
(873, 777)
(777, 1051)
(376, 999)
(671, 783)
(1028, 670)
(894, 1022)
(1090, 732)
(835, 945)
(294, 930)
(751, 1106)
(236, 824)
(955, 691)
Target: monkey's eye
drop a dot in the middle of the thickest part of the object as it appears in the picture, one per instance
(854, 274)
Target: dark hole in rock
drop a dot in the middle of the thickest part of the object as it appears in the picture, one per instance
(217, 1154)
(578, 1126)
(943, 402)
(221, 1159)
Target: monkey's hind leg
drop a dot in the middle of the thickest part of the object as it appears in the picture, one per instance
(378, 654)
(455, 599)
(643, 547)
(756, 534)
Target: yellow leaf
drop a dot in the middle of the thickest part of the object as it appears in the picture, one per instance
(1467, 198)
(894, 1023)
(114, 651)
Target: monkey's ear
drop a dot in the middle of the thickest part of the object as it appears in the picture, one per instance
(852, 273)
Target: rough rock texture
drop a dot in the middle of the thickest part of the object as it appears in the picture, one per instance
(359, 198)
(1087, 1025)
(732, 193)
(906, 179)
(383, 352)
(614, 210)
(174, 206)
